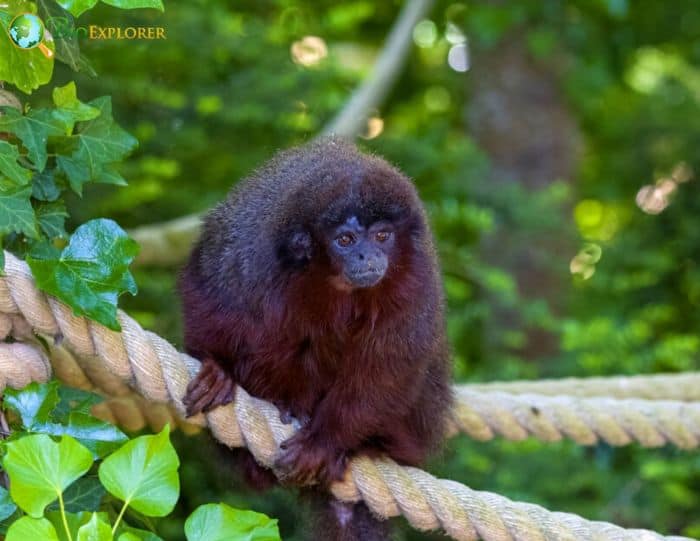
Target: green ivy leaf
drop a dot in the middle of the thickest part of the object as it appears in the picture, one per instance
(34, 403)
(95, 530)
(31, 528)
(85, 494)
(7, 506)
(70, 109)
(74, 400)
(135, 4)
(33, 129)
(100, 437)
(134, 534)
(74, 520)
(16, 212)
(110, 176)
(44, 187)
(91, 272)
(40, 469)
(143, 473)
(78, 7)
(220, 522)
(15, 173)
(51, 217)
(100, 142)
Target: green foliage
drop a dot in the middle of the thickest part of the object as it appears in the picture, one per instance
(48, 409)
(57, 149)
(41, 469)
(98, 143)
(91, 272)
(95, 530)
(44, 152)
(32, 528)
(78, 7)
(14, 173)
(16, 212)
(7, 506)
(34, 404)
(223, 523)
(143, 474)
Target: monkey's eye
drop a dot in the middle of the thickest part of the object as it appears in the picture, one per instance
(344, 240)
(382, 236)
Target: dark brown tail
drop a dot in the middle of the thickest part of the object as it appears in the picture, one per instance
(332, 520)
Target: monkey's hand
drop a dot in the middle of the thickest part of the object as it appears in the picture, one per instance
(212, 387)
(307, 458)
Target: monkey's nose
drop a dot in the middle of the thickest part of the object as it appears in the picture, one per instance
(368, 270)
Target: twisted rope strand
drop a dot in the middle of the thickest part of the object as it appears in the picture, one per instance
(652, 423)
(152, 366)
(684, 387)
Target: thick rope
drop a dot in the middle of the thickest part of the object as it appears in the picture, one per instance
(159, 373)
(652, 423)
(684, 387)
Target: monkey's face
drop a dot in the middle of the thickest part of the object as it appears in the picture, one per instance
(360, 254)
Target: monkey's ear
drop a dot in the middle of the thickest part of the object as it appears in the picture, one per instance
(297, 248)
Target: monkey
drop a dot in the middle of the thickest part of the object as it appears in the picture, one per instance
(315, 285)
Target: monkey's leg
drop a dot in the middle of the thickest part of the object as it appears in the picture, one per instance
(212, 387)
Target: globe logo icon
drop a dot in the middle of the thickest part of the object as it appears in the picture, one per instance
(27, 32)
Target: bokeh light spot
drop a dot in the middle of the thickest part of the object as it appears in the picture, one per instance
(425, 33)
(583, 263)
(458, 57)
(654, 198)
(375, 126)
(309, 51)
(454, 34)
(588, 213)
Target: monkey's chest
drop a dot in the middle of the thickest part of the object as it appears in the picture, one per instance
(294, 374)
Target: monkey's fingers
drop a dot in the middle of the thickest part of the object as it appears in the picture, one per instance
(197, 389)
(206, 395)
(211, 387)
(225, 391)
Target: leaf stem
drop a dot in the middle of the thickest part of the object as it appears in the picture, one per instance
(119, 518)
(63, 516)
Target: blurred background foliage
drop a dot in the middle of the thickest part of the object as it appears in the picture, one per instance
(555, 144)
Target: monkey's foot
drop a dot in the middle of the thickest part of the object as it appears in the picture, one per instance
(288, 417)
(212, 387)
(307, 460)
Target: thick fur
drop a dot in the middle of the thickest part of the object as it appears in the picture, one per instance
(366, 370)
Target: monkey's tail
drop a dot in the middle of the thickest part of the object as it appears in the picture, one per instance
(332, 520)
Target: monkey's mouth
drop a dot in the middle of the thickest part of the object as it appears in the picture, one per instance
(364, 279)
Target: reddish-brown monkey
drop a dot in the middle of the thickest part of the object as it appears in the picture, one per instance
(315, 285)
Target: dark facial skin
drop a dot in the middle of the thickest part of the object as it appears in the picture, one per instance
(361, 254)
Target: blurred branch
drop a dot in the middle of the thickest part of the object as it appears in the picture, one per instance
(350, 121)
(168, 243)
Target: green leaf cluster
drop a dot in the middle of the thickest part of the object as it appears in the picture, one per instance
(46, 153)
(54, 446)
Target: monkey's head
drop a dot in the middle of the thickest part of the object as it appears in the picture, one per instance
(353, 218)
